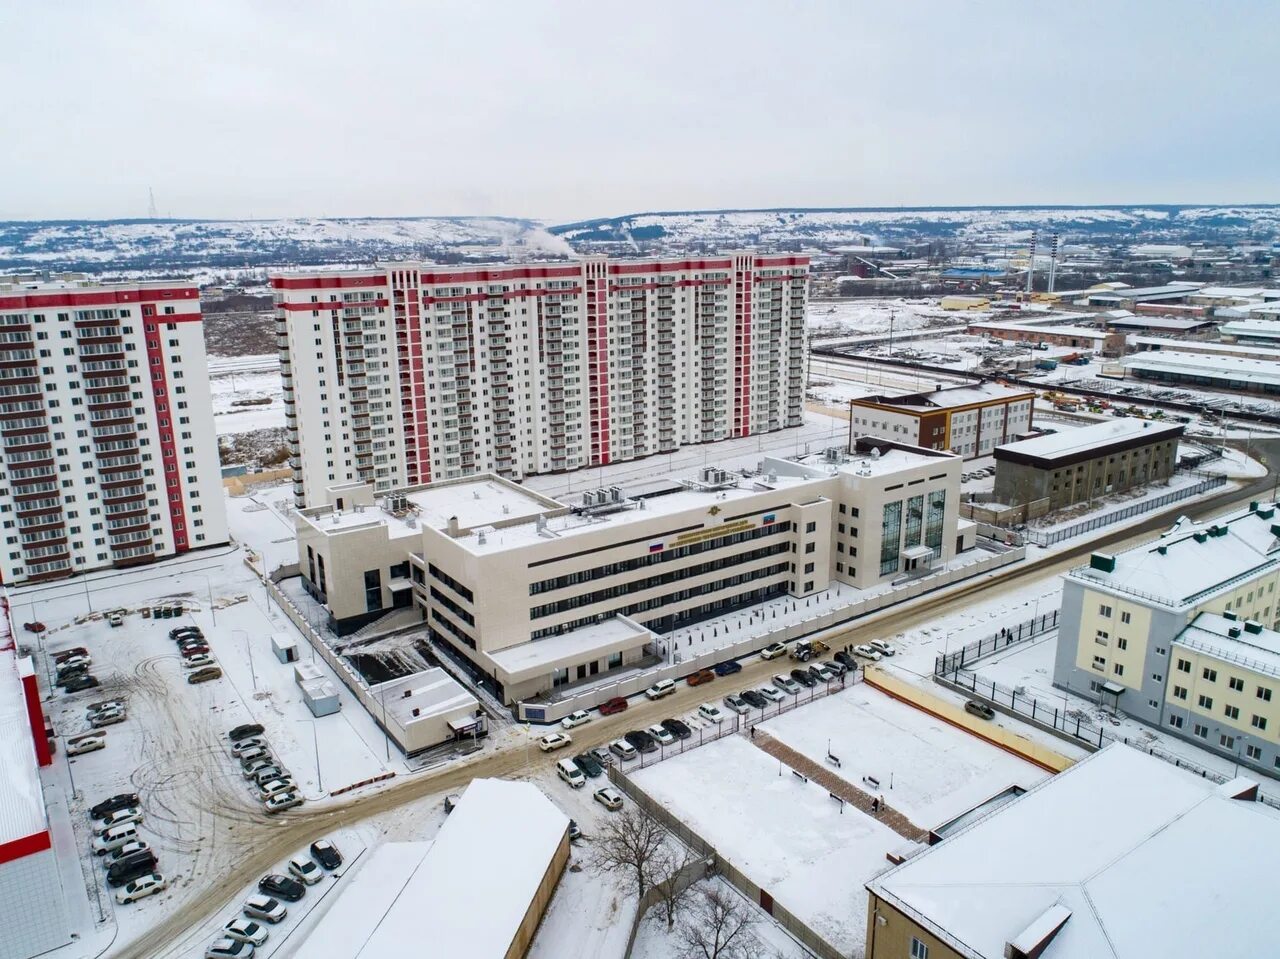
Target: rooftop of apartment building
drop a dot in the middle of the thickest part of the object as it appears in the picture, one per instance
(1122, 855)
(60, 282)
(1191, 561)
(1088, 442)
(949, 397)
(487, 513)
(1228, 637)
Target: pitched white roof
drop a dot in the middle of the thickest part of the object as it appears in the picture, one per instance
(1149, 859)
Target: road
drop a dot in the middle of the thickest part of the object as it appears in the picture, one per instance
(273, 840)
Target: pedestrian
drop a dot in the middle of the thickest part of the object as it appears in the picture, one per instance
(753, 732)
(881, 802)
(875, 806)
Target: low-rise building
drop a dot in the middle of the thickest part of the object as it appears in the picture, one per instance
(1107, 342)
(965, 303)
(1130, 297)
(968, 420)
(1076, 465)
(1251, 331)
(1123, 855)
(1156, 344)
(425, 709)
(1124, 321)
(536, 594)
(1221, 372)
(1122, 613)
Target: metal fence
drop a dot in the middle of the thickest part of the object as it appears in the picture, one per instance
(1075, 727)
(1051, 536)
(1011, 636)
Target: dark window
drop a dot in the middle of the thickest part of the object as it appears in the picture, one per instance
(372, 589)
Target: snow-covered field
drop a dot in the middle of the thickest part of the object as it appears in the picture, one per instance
(928, 770)
(787, 835)
(245, 378)
(827, 319)
(772, 941)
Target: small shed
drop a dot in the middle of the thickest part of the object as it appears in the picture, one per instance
(285, 647)
(321, 697)
(304, 673)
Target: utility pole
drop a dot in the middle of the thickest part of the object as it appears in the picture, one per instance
(1031, 263)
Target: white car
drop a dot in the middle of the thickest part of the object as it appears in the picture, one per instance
(771, 694)
(710, 712)
(86, 744)
(245, 930)
(663, 687)
(577, 718)
(306, 870)
(107, 717)
(127, 850)
(663, 736)
(282, 801)
(141, 887)
(822, 672)
(274, 787)
(553, 741)
(866, 652)
(883, 648)
(116, 619)
(265, 908)
(118, 818)
(254, 765)
(245, 746)
(199, 661)
(609, 797)
(773, 651)
(228, 948)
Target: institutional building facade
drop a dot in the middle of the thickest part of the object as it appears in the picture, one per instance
(108, 454)
(404, 375)
(969, 420)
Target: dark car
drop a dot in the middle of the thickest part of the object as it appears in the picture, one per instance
(192, 641)
(118, 801)
(70, 675)
(130, 868)
(189, 651)
(204, 675)
(727, 668)
(641, 740)
(612, 706)
(677, 728)
(847, 660)
(75, 684)
(182, 631)
(802, 677)
(589, 765)
(753, 699)
(63, 655)
(979, 709)
(34, 627)
(700, 677)
(326, 853)
(281, 886)
(245, 731)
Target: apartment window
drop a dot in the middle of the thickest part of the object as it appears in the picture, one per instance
(1253, 752)
(918, 949)
(1231, 712)
(1228, 742)
(842, 509)
(1104, 610)
(1264, 693)
(1099, 663)
(1175, 722)
(811, 527)
(1122, 643)
(1119, 669)
(1125, 618)
(1153, 703)
(1210, 675)
(1201, 731)
(808, 567)
(1157, 678)
(1205, 702)
(1101, 637)
(1259, 722)
(1236, 684)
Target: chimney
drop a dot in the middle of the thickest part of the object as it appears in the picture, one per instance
(454, 530)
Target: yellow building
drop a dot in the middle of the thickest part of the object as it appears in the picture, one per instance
(965, 303)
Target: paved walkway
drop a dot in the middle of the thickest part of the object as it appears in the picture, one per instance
(838, 786)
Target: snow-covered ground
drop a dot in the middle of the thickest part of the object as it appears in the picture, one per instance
(653, 941)
(828, 319)
(928, 770)
(233, 379)
(786, 834)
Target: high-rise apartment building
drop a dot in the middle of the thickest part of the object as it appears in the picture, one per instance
(108, 455)
(414, 373)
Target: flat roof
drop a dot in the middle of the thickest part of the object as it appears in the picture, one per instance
(1264, 328)
(539, 658)
(1032, 330)
(1236, 369)
(1171, 867)
(22, 811)
(1160, 322)
(949, 397)
(1192, 560)
(1252, 645)
(1088, 442)
(432, 692)
(1205, 346)
(1185, 289)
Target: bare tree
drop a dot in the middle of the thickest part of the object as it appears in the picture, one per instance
(667, 877)
(628, 844)
(718, 925)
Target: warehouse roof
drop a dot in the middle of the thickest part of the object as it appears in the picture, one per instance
(1122, 855)
(1259, 329)
(1213, 347)
(1228, 369)
(1086, 443)
(1033, 330)
(1173, 324)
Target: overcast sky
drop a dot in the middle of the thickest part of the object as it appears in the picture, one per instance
(568, 110)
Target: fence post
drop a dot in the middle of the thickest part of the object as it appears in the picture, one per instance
(1099, 737)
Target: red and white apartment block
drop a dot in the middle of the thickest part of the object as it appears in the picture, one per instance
(411, 373)
(108, 455)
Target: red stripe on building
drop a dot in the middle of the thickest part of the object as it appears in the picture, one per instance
(742, 348)
(675, 266)
(492, 276)
(35, 716)
(26, 846)
(329, 305)
(782, 261)
(172, 485)
(97, 298)
(327, 282)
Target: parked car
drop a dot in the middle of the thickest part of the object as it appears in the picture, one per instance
(727, 668)
(204, 674)
(281, 801)
(269, 772)
(111, 804)
(180, 632)
(199, 662)
(711, 712)
(737, 704)
(128, 849)
(663, 687)
(980, 709)
(881, 647)
(66, 662)
(305, 869)
(116, 618)
(786, 684)
(575, 832)
(265, 909)
(141, 887)
(663, 736)
(773, 695)
(227, 948)
(553, 741)
(118, 818)
(677, 727)
(867, 652)
(115, 838)
(836, 668)
(87, 743)
(76, 684)
(612, 706)
(245, 930)
(846, 659)
(62, 655)
(114, 711)
(700, 677)
(326, 853)
(36, 627)
(106, 718)
(609, 797)
(245, 731)
(185, 641)
(821, 673)
(200, 649)
(274, 884)
(754, 699)
(576, 718)
(131, 868)
(641, 740)
(257, 752)
(589, 765)
(238, 749)
(602, 755)
(773, 651)
(71, 677)
(623, 749)
(275, 787)
(106, 704)
(802, 677)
